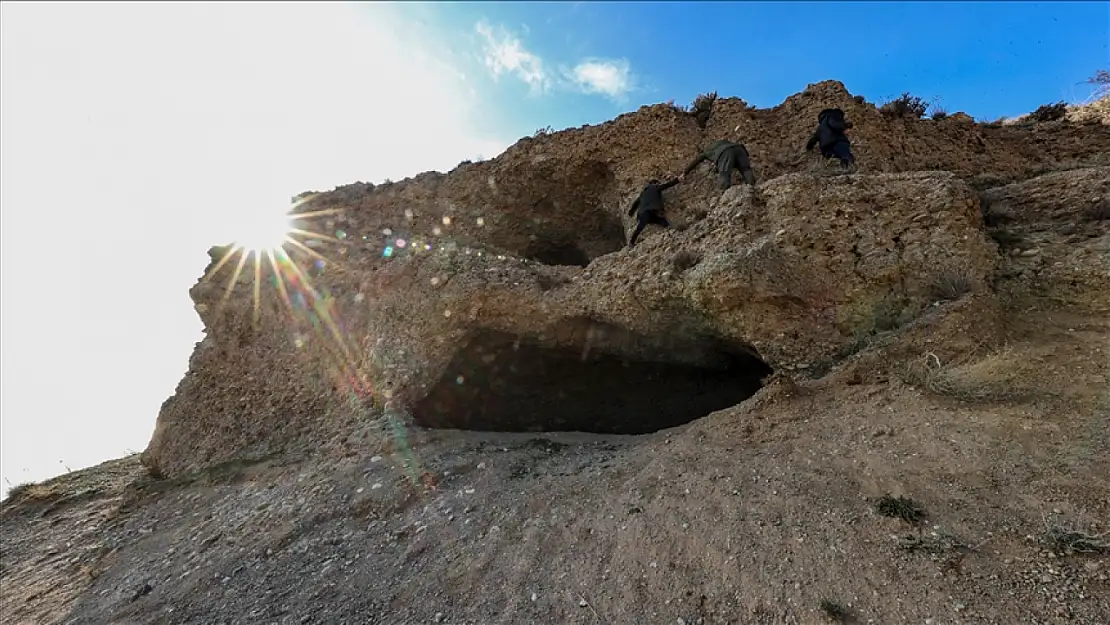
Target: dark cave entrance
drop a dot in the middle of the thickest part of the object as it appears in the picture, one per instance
(557, 253)
(508, 383)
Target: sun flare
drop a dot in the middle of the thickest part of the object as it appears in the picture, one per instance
(263, 228)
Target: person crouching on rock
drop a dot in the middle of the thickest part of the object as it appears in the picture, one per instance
(648, 207)
(830, 136)
(727, 155)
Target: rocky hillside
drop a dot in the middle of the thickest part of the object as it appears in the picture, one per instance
(460, 399)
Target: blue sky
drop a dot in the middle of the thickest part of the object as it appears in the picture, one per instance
(986, 58)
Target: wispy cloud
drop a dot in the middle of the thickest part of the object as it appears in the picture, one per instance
(611, 78)
(504, 52)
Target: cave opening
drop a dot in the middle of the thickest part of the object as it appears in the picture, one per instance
(630, 384)
(554, 252)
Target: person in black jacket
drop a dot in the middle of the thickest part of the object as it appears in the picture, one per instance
(648, 207)
(831, 138)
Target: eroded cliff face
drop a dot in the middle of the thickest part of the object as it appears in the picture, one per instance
(500, 296)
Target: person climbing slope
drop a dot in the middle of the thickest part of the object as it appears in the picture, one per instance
(830, 136)
(648, 207)
(727, 156)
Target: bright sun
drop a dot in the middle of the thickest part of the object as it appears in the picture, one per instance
(262, 227)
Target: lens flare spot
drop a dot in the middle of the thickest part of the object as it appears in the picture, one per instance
(408, 213)
(460, 380)
(339, 234)
(320, 264)
(447, 313)
(388, 251)
(400, 243)
(436, 231)
(387, 231)
(481, 222)
(446, 220)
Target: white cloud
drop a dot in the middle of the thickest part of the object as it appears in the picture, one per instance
(610, 78)
(131, 134)
(504, 52)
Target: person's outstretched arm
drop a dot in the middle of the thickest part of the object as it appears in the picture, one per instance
(694, 163)
(667, 185)
(635, 205)
(813, 140)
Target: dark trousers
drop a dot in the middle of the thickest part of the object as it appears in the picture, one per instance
(734, 158)
(643, 218)
(841, 150)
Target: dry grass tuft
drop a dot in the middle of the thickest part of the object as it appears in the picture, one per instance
(905, 106)
(30, 491)
(1001, 376)
(951, 284)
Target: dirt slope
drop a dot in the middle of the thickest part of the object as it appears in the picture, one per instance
(936, 326)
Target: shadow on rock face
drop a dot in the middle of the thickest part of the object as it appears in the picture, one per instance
(623, 384)
(571, 221)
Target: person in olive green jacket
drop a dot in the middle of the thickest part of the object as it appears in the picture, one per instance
(727, 156)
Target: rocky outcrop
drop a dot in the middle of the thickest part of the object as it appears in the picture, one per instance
(499, 296)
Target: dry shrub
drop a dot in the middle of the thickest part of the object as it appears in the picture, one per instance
(1049, 112)
(859, 100)
(702, 108)
(1101, 80)
(937, 111)
(1065, 539)
(1000, 376)
(900, 507)
(951, 284)
(905, 106)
